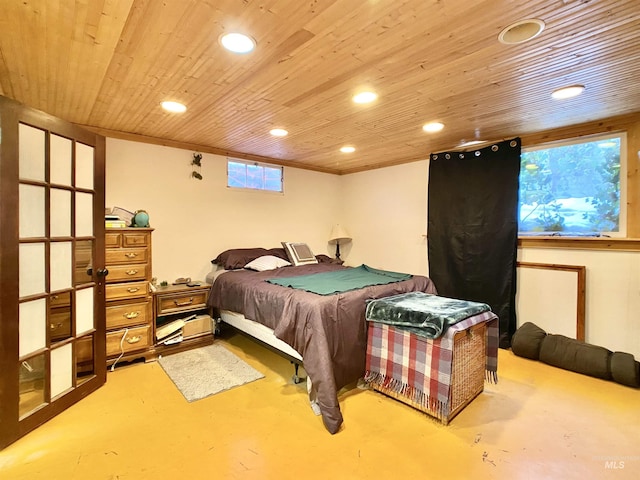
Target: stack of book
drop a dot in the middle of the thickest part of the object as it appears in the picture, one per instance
(113, 221)
(184, 328)
(171, 332)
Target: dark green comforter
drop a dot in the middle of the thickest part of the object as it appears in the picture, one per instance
(422, 313)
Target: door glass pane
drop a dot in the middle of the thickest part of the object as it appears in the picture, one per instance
(31, 211)
(84, 359)
(60, 316)
(60, 160)
(31, 156)
(84, 214)
(84, 310)
(84, 166)
(61, 369)
(60, 222)
(32, 384)
(33, 321)
(83, 261)
(60, 265)
(31, 269)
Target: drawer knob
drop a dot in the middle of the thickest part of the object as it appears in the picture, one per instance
(131, 315)
(183, 304)
(54, 326)
(135, 339)
(132, 272)
(132, 289)
(131, 255)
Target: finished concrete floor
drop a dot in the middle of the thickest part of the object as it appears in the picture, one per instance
(538, 422)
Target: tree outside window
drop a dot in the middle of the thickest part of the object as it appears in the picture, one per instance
(571, 188)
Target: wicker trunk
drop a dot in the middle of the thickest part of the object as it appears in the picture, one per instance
(466, 380)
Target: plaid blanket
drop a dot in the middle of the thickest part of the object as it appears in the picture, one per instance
(420, 369)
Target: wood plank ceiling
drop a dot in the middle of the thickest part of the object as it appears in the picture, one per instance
(108, 64)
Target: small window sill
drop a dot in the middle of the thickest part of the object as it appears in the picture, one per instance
(581, 243)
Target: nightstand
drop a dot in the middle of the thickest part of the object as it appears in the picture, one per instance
(181, 317)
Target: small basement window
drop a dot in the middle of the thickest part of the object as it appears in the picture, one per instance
(254, 176)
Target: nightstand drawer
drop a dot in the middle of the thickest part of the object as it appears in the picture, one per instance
(182, 302)
(127, 315)
(127, 290)
(118, 256)
(125, 273)
(134, 339)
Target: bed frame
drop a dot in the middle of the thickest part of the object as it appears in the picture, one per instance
(258, 332)
(265, 337)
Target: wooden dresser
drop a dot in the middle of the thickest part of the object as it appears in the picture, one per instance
(129, 306)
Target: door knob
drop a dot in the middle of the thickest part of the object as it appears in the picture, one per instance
(102, 272)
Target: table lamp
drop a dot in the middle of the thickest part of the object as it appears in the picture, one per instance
(338, 235)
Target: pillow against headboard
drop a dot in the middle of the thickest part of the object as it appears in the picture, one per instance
(238, 257)
(278, 252)
(299, 253)
(324, 258)
(266, 262)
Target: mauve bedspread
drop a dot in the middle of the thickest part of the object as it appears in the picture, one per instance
(329, 331)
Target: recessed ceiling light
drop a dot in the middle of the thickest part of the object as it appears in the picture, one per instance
(365, 97)
(348, 149)
(521, 31)
(174, 107)
(567, 92)
(433, 127)
(237, 42)
(279, 132)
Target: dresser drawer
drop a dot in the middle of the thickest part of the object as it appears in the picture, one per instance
(134, 339)
(121, 291)
(182, 302)
(116, 256)
(135, 239)
(119, 316)
(112, 239)
(60, 324)
(62, 299)
(125, 273)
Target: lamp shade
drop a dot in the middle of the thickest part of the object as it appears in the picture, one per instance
(339, 235)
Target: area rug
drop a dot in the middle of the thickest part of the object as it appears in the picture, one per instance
(205, 371)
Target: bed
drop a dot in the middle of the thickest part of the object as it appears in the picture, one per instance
(327, 332)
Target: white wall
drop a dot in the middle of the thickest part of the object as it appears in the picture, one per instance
(194, 220)
(385, 211)
(612, 317)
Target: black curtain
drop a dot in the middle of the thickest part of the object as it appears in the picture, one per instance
(473, 228)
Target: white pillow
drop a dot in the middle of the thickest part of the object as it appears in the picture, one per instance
(266, 262)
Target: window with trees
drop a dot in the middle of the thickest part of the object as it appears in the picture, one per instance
(254, 176)
(573, 188)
